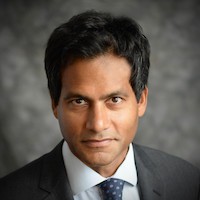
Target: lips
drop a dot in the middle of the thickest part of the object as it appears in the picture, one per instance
(93, 143)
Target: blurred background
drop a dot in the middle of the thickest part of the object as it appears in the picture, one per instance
(171, 124)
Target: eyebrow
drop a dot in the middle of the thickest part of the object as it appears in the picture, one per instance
(71, 95)
(116, 93)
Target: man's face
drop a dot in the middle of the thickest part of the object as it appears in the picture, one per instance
(98, 112)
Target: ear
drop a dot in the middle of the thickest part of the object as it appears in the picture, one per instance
(54, 108)
(142, 104)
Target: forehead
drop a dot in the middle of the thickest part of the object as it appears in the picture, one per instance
(105, 63)
(103, 72)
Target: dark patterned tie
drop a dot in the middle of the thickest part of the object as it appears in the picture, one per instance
(112, 189)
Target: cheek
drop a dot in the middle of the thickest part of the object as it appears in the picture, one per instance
(127, 123)
(70, 125)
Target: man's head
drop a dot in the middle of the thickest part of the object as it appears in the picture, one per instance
(91, 34)
(97, 68)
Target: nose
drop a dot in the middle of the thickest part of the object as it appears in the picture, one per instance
(98, 118)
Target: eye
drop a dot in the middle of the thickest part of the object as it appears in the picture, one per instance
(116, 100)
(79, 102)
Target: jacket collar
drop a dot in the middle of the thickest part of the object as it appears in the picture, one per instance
(54, 179)
(150, 185)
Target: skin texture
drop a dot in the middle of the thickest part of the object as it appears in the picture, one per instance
(98, 112)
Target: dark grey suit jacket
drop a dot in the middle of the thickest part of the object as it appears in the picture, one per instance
(160, 176)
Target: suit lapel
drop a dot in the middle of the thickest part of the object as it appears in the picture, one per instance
(54, 178)
(150, 185)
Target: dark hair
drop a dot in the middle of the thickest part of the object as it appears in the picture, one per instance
(91, 34)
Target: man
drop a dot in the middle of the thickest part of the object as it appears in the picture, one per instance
(97, 68)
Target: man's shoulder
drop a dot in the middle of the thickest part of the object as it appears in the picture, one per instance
(22, 181)
(31, 169)
(170, 175)
(25, 181)
(164, 162)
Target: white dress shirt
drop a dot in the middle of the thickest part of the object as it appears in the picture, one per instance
(83, 180)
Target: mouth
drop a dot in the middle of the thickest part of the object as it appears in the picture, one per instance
(93, 143)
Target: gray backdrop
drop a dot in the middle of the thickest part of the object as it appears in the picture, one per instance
(171, 124)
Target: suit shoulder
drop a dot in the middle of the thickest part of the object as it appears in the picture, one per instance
(22, 181)
(27, 182)
(179, 178)
(165, 161)
(29, 169)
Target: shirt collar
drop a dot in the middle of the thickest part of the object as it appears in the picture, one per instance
(77, 170)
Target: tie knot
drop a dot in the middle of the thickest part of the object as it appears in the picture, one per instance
(112, 189)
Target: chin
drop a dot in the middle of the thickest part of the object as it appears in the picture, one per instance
(99, 159)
